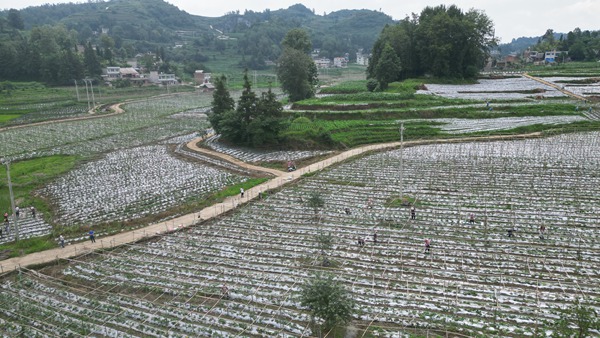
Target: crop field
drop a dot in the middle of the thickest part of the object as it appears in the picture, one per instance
(475, 281)
(131, 183)
(146, 121)
(498, 89)
(256, 156)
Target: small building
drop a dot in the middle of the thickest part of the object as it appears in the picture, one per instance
(129, 73)
(340, 62)
(200, 77)
(554, 56)
(162, 78)
(362, 59)
(112, 73)
(323, 63)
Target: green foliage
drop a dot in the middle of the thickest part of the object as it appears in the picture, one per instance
(576, 321)
(327, 300)
(324, 241)
(388, 67)
(315, 201)
(443, 42)
(346, 87)
(255, 121)
(297, 39)
(296, 70)
(303, 133)
(266, 126)
(28, 245)
(372, 85)
(29, 175)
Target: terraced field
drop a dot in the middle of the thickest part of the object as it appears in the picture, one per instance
(476, 281)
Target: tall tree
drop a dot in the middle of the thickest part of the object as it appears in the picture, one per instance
(90, 61)
(296, 71)
(297, 39)
(15, 20)
(388, 67)
(246, 108)
(221, 103)
(268, 122)
(327, 300)
(441, 41)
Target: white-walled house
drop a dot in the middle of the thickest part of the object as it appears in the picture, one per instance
(340, 62)
(362, 59)
(323, 63)
(161, 78)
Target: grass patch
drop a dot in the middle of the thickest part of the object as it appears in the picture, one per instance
(7, 117)
(29, 175)
(27, 246)
(404, 202)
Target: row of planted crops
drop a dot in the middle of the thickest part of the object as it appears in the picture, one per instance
(475, 281)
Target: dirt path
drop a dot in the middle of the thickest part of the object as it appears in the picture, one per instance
(281, 178)
(193, 145)
(116, 108)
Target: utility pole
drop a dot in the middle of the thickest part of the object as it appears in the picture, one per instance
(12, 198)
(76, 90)
(93, 98)
(401, 159)
(92, 90)
(87, 93)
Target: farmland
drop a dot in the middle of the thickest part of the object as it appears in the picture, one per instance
(476, 279)
(480, 279)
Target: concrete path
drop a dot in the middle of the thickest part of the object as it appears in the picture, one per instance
(281, 178)
(557, 87)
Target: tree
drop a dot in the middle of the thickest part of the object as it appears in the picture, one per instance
(15, 20)
(325, 243)
(254, 122)
(576, 321)
(316, 202)
(327, 300)
(296, 71)
(297, 39)
(268, 122)
(221, 103)
(441, 41)
(246, 108)
(388, 67)
(90, 61)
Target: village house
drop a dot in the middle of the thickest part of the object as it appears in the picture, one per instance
(200, 77)
(163, 79)
(323, 63)
(362, 59)
(115, 73)
(340, 62)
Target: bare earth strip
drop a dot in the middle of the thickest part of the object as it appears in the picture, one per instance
(281, 178)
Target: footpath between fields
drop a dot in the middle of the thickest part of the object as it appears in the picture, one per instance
(281, 178)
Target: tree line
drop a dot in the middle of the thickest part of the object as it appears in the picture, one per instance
(442, 42)
(580, 45)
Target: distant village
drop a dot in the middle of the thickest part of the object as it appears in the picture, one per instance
(203, 79)
(516, 60)
(136, 76)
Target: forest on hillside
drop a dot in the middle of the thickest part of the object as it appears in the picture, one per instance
(36, 42)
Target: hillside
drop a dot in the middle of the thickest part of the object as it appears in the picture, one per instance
(157, 21)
